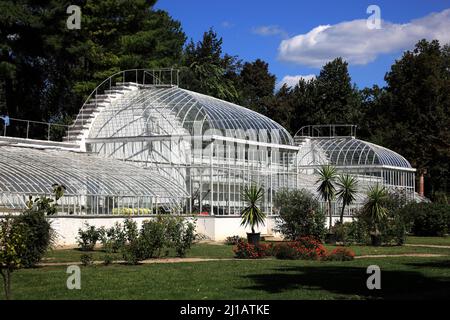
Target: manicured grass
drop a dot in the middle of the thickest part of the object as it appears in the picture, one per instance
(211, 251)
(220, 251)
(370, 250)
(236, 279)
(197, 251)
(74, 255)
(440, 241)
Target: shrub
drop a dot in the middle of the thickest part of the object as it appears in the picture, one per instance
(157, 235)
(38, 236)
(428, 219)
(299, 215)
(185, 238)
(340, 231)
(233, 240)
(153, 238)
(306, 248)
(245, 250)
(87, 239)
(86, 259)
(12, 235)
(132, 253)
(285, 252)
(355, 232)
(107, 259)
(391, 227)
(340, 254)
(114, 238)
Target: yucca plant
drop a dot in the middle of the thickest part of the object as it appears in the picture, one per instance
(252, 215)
(347, 186)
(326, 188)
(374, 210)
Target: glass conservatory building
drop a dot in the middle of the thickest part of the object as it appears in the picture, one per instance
(142, 145)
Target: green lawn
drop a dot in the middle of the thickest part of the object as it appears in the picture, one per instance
(198, 251)
(402, 277)
(259, 279)
(440, 241)
(225, 251)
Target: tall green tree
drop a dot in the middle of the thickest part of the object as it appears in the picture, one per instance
(413, 112)
(207, 70)
(256, 85)
(330, 98)
(337, 100)
(280, 107)
(48, 70)
(21, 56)
(304, 97)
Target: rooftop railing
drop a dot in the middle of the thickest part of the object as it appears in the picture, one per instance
(29, 129)
(331, 130)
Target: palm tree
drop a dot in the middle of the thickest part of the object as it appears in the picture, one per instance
(347, 189)
(326, 188)
(374, 210)
(252, 215)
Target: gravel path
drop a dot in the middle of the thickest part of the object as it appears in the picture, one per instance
(183, 260)
(422, 255)
(427, 246)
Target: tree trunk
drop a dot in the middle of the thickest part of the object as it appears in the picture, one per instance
(330, 215)
(9, 284)
(253, 229)
(6, 275)
(375, 237)
(342, 213)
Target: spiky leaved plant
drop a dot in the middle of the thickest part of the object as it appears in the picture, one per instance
(326, 188)
(347, 186)
(252, 215)
(374, 209)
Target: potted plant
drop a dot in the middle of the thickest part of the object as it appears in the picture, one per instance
(252, 215)
(374, 211)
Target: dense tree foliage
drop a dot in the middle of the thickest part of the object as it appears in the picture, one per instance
(331, 98)
(47, 70)
(257, 86)
(411, 115)
(207, 70)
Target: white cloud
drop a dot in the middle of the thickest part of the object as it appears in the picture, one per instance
(272, 30)
(358, 44)
(227, 24)
(292, 81)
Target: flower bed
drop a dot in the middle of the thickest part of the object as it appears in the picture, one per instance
(340, 254)
(304, 248)
(244, 250)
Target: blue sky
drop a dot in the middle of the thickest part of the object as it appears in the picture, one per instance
(288, 34)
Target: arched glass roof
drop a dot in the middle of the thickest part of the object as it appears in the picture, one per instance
(346, 151)
(34, 171)
(172, 110)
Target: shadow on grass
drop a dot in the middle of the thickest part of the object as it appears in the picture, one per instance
(347, 282)
(445, 264)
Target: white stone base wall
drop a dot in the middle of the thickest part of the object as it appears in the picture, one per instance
(215, 228)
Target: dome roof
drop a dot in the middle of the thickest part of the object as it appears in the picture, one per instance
(347, 151)
(31, 171)
(170, 110)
